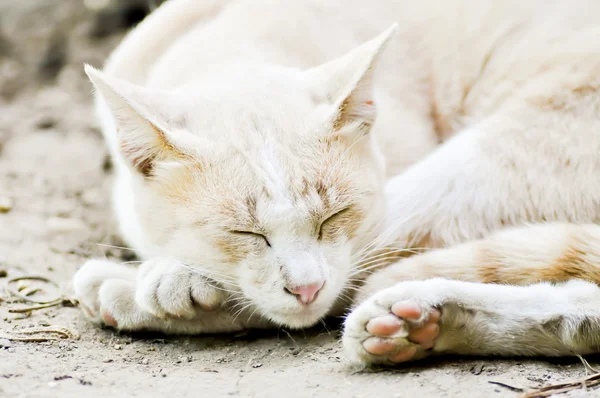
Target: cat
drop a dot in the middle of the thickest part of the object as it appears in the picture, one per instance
(278, 162)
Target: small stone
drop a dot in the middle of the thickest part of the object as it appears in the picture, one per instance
(257, 365)
(6, 204)
(43, 323)
(145, 361)
(5, 343)
(64, 225)
(184, 358)
(45, 123)
(3, 273)
(107, 164)
(96, 5)
(108, 360)
(118, 347)
(477, 369)
(91, 197)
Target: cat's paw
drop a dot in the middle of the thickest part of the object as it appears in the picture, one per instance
(106, 295)
(169, 289)
(395, 325)
(91, 278)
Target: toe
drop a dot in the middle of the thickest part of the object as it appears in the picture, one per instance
(377, 346)
(404, 355)
(425, 335)
(434, 316)
(384, 325)
(87, 310)
(109, 320)
(406, 310)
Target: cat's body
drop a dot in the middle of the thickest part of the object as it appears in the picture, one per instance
(515, 88)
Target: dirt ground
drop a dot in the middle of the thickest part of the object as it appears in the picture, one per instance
(55, 214)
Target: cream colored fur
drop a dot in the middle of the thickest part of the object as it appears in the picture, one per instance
(486, 117)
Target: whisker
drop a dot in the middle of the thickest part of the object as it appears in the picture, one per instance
(241, 310)
(253, 312)
(325, 326)
(391, 252)
(115, 247)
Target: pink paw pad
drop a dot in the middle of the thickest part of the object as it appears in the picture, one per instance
(109, 320)
(406, 322)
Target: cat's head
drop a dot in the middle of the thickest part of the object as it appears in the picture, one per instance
(264, 178)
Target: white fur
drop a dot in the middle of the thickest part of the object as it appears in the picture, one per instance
(509, 88)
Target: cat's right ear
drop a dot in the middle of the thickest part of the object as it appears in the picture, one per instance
(143, 139)
(347, 83)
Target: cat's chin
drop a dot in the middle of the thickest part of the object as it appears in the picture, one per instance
(298, 320)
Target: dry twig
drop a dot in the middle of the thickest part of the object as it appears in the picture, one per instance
(584, 383)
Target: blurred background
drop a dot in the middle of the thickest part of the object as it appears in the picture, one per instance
(54, 168)
(44, 42)
(55, 171)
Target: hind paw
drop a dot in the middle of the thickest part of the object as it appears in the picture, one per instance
(396, 325)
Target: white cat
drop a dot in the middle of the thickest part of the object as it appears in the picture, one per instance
(254, 139)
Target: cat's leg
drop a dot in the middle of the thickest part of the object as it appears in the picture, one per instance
(551, 252)
(160, 297)
(481, 318)
(412, 320)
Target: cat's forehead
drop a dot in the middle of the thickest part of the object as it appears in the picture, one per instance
(277, 176)
(239, 101)
(308, 178)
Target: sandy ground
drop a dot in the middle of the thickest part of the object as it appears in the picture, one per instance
(54, 190)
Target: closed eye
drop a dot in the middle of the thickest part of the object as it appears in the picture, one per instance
(253, 234)
(330, 219)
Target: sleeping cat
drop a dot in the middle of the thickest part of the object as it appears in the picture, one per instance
(276, 161)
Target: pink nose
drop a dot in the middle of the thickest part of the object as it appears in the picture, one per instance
(305, 294)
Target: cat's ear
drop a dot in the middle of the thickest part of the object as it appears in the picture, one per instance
(348, 83)
(142, 137)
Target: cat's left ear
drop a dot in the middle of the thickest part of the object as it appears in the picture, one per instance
(142, 133)
(348, 83)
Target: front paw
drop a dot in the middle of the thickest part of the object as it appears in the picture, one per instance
(94, 277)
(169, 289)
(395, 325)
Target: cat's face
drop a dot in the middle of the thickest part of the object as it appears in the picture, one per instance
(264, 179)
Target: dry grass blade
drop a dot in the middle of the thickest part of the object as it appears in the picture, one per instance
(40, 334)
(25, 293)
(512, 388)
(42, 306)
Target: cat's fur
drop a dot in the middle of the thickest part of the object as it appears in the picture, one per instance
(237, 116)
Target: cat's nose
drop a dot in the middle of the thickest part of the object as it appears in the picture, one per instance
(305, 294)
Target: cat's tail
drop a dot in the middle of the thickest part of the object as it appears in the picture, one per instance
(553, 252)
(134, 57)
